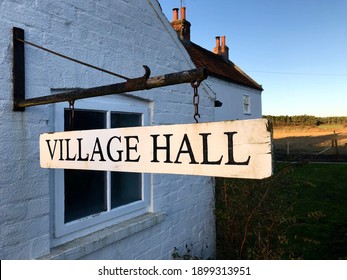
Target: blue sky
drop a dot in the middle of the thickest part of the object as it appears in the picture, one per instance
(296, 49)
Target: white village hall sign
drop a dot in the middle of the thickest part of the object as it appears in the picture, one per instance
(238, 149)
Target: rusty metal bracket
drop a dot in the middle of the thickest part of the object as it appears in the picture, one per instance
(18, 69)
(135, 84)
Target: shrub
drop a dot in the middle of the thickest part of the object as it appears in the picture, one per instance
(253, 217)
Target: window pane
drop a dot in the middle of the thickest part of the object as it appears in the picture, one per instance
(85, 191)
(125, 120)
(84, 120)
(125, 187)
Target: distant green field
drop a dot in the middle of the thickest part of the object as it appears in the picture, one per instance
(299, 213)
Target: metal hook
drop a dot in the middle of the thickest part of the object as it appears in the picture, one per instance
(195, 117)
(72, 113)
(195, 84)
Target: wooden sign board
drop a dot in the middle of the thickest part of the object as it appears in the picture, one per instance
(238, 149)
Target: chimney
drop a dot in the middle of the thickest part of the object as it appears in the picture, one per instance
(175, 14)
(224, 49)
(221, 49)
(181, 26)
(183, 12)
(217, 48)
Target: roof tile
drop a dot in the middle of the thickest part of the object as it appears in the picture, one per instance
(218, 66)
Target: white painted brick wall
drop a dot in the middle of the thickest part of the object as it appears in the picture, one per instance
(231, 97)
(119, 35)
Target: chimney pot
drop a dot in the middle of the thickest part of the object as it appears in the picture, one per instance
(175, 14)
(217, 41)
(223, 41)
(224, 49)
(183, 13)
(216, 50)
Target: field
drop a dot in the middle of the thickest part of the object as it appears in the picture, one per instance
(298, 213)
(313, 143)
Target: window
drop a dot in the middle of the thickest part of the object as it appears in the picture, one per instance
(86, 201)
(246, 104)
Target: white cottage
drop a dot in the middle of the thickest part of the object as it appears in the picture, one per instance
(65, 214)
(237, 95)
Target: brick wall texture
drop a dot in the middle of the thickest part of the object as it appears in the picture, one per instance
(119, 35)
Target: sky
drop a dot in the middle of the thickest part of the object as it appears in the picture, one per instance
(296, 49)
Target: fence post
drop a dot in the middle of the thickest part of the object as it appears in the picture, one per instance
(334, 143)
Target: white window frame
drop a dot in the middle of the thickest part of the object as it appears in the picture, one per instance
(64, 232)
(246, 99)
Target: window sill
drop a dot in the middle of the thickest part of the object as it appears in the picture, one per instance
(88, 244)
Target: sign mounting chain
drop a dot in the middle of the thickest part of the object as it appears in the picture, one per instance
(196, 100)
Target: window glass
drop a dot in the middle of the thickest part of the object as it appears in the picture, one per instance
(84, 119)
(125, 120)
(246, 104)
(86, 191)
(125, 186)
(84, 194)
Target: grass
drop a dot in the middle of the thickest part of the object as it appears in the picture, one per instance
(299, 213)
(320, 231)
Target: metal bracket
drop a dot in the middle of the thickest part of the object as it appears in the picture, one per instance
(18, 69)
(136, 84)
